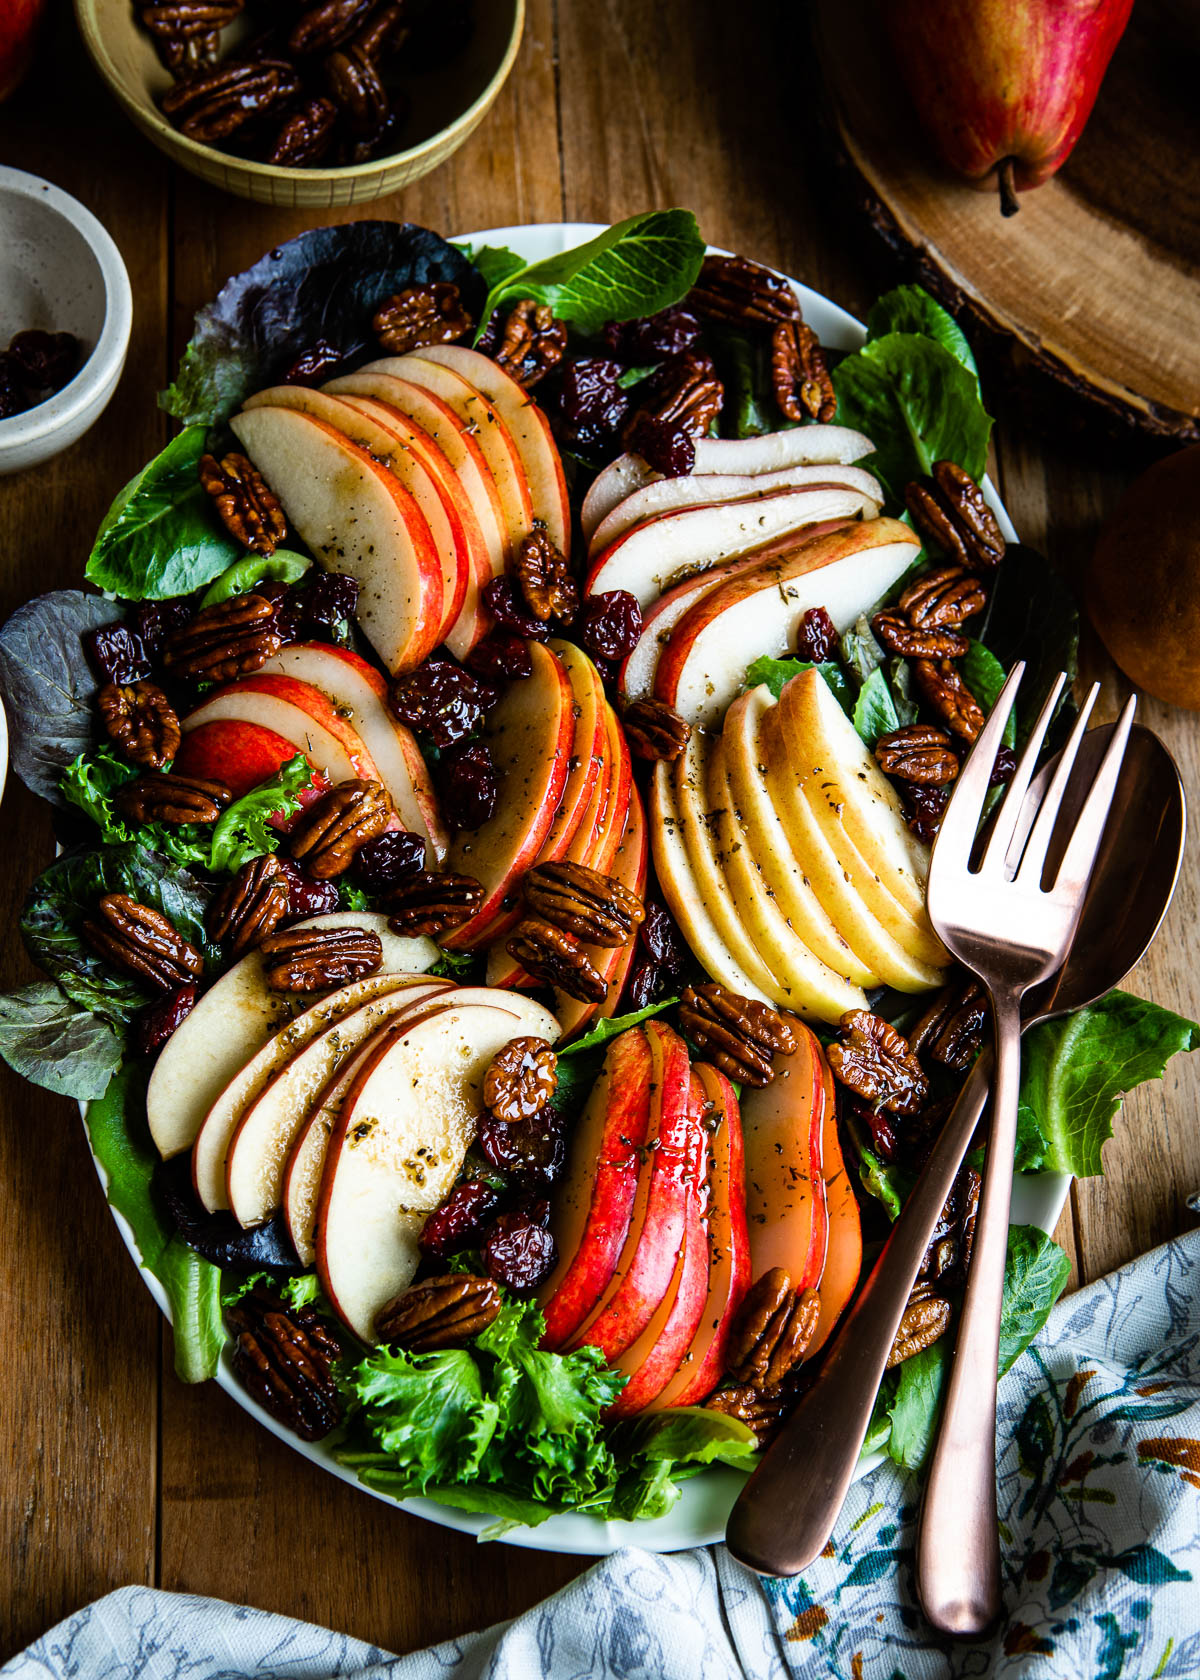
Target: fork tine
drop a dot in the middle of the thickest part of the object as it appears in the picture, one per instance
(1009, 815)
(1085, 838)
(956, 837)
(1029, 866)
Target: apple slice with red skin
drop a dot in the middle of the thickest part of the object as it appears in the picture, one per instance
(593, 1204)
(427, 476)
(782, 1132)
(703, 1364)
(530, 734)
(660, 552)
(297, 712)
(628, 866)
(359, 696)
(527, 426)
(669, 1180)
(843, 1254)
(357, 518)
(241, 755)
(704, 662)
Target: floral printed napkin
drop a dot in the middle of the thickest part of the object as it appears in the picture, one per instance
(1100, 1503)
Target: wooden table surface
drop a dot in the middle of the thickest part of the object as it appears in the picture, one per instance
(113, 1471)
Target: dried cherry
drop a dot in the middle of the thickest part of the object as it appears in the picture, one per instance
(327, 601)
(458, 1220)
(518, 1252)
(653, 337)
(287, 607)
(318, 362)
(442, 701)
(14, 399)
(609, 624)
(153, 1026)
(592, 404)
(468, 784)
(501, 656)
(117, 654)
(669, 449)
(533, 1149)
(663, 940)
(154, 622)
(307, 897)
(646, 982)
(924, 806)
(503, 599)
(384, 861)
(1002, 769)
(45, 361)
(817, 636)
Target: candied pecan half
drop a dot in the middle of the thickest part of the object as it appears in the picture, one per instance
(168, 797)
(655, 730)
(326, 25)
(284, 1358)
(800, 375)
(763, 1413)
(251, 905)
(305, 137)
(951, 1029)
(545, 578)
(141, 942)
(531, 342)
(875, 1062)
(420, 315)
(925, 1320)
(332, 828)
(216, 103)
(739, 1034)
(941, 683)
(429, 904)
(582, 901)
(772, 1330)
(229, 639)
(918, 753)
(949, 1253)
(951, 514)
(897, 635)
(557, 960)
(684, 393)
(943, 599)
(315, 959)
(140, 720)
(520, 1080)
(738, 292)
(249, 511)
(441, 1312)
(353, 84)
(384, 31)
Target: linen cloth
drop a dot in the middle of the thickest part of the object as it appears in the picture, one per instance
(1100, 1508)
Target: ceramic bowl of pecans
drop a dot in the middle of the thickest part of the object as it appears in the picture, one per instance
(338, 102)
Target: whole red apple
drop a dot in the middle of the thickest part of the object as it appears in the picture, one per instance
(1005, 87)
(19, 21)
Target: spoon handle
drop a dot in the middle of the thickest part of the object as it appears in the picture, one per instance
(788, 1508)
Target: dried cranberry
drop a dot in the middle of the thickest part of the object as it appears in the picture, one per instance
(153, 1026)
(318, 362)
(442, 701)
(609, 624)
(668, 449)
(652, 337)
(526, 1148)
(117, 653)
(155, 621)
(663, 940)
(924, 806)
(327, 601)
(503, 599)
(1002, 769)
(592, 404)
(454, 1224)
(501, 656)
(646, 982)
(45, 361)
(306, 896)
(14, 399)
(817, 636)
(518, 1253)
(468, 785)
(384, 861)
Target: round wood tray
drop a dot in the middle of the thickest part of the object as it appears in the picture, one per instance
(1095, 284)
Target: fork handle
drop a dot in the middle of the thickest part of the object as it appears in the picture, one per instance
(958, 1543)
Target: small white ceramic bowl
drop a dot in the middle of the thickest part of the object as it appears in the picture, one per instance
(60, 271)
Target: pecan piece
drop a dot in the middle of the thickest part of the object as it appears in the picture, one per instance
(950, 514)
(320, 28)
(875, 1062)
(918, 753)
(216, 103)
(897, 635)
(545, 579)
(941, 683)
(421, 315)
(771, 1332)
(685, 394)
(520, 1080)
(385, 30)
(251, 905)
(332, 829)
(800, 375)
(429, 904)
(284, 1359)
(655, 730)
(582, 901)
(557, 960)
(736, 292)
(951, 1029)
(187, 33)
(227, 640)
(171, 798)
(531, 342)
(441, 1312)
(315, 959)
(354, 86)
(140, 720)
(141, 942)
(249, 511)
(763, 1413)
(949, 1252)
(925, 1320)
(739, 1034)
(305, 138)
(943, 599)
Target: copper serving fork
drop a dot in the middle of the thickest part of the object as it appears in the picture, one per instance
(1010, 919)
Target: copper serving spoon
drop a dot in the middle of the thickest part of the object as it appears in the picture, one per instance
(787, 1510)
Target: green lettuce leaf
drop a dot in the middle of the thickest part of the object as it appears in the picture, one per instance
(916, 1405)
(493, 262)
(246, 830)
(888, 1184)
(985, 676)
(775, 674)
(1031, 615)
(283, 566)
(910, 309)
(161, 537)
(875, 711)
(1035, 1274)
(612, 1027)
(55, 1043)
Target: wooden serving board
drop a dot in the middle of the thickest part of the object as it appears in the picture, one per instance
(1094, 286)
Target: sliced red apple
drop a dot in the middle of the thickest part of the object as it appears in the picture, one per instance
(846, 571)
(241, 755)
(359, 696)
(297, 712)
(627, 866)
(357, 518)
(843, 1255)
(782, 1129)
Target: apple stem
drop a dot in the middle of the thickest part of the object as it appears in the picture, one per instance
(1009, 202)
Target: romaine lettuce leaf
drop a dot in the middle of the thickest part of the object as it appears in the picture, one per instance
(910, 309)
(1035, 1274)
(777, 673)
(282, 566)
